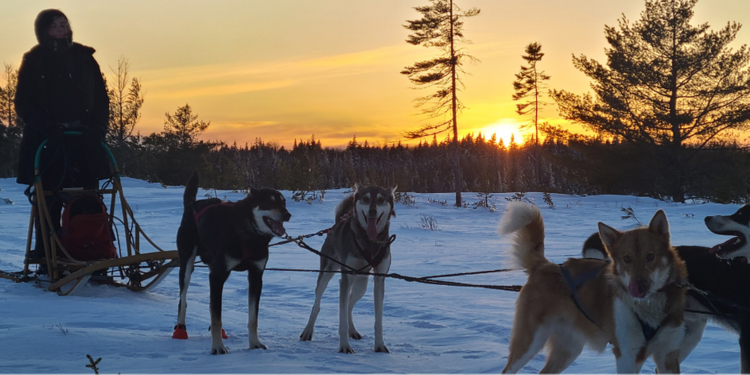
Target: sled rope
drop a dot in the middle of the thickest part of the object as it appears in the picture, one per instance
(431, 279)
(289, 239)
(302, 244)
(469, 273)
(713, 297)
(423, 280)
(305, 246)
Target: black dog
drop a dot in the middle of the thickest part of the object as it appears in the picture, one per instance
(726, 281)
(228, 236)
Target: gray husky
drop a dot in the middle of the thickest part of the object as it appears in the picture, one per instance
(359, 239)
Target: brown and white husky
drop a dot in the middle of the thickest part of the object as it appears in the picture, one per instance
(635, 302)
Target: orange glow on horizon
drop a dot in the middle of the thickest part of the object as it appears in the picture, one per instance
(504, 129)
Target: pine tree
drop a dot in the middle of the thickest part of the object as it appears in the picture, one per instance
(529, 84)
(184, 126)
(667, 83)
(11, 125)
(441, 26)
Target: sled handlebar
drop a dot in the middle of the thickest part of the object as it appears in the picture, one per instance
(37, 157)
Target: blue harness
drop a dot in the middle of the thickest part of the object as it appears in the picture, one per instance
(574, 283)
(648, 331)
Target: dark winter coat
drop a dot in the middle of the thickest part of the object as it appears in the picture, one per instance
(56, 88)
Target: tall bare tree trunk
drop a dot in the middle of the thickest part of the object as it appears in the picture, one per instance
(537, 158)
(456, 150)
(675, 147)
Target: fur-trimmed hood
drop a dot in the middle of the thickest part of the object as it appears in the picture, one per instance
(43, 20)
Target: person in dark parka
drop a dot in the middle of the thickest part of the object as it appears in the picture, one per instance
(61, 88)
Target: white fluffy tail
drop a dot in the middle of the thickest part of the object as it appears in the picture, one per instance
(526, 222)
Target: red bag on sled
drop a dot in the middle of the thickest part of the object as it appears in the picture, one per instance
(86, 234)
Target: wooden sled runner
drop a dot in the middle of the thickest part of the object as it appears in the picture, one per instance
(130, 268)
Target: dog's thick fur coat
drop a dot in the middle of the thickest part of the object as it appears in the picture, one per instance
(638, 288)
(359, 239)
(228, 236)
(721, 272)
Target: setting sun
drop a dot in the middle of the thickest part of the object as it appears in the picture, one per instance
(505, 128)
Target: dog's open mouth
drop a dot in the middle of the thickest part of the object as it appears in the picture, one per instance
(276, 227)
(728, 247)
(372, 226)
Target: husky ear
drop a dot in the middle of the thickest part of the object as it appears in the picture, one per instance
(659, 224)
(608, 235)
(393, 189)
(357, 186)
(253, 191)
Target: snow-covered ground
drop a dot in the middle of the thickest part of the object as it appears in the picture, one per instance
(428, 328)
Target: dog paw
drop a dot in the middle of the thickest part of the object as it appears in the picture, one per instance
(306, 335)
(257, 345)
(381, 349)
(355, 335)
(219, 350)
(180, 332)
(346, 349)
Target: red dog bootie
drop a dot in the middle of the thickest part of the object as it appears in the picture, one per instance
(223, 334)
(180, 332)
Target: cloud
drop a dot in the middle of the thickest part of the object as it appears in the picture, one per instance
(227, 89)
(380, 56)
(237, 78)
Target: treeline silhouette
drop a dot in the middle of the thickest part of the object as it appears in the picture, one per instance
(570, 164)
(573, 165)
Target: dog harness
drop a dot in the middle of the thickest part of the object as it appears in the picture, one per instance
(377, 258)
(203, 210)
(648, 331)
(573, 284)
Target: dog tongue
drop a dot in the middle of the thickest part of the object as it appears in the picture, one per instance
(278, 227)
(372, 229)
(633, 289)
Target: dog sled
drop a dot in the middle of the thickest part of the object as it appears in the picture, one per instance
(63, 267)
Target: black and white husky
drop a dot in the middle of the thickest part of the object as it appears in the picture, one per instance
(228, 236)
(360, 240)
(723, 272)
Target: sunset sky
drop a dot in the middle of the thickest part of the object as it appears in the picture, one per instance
(287, 69)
